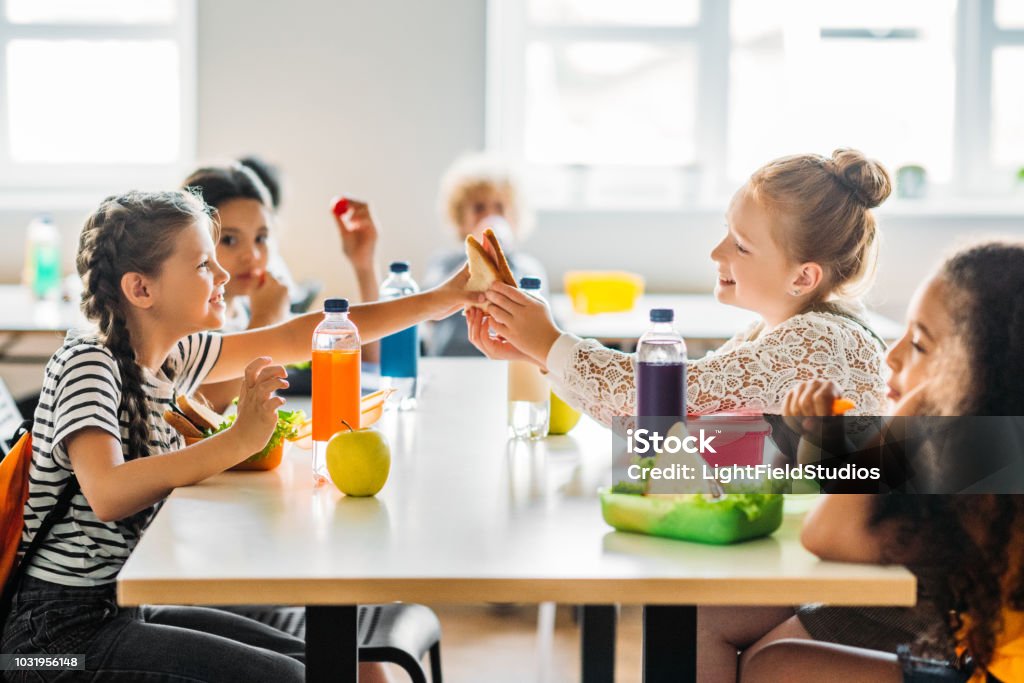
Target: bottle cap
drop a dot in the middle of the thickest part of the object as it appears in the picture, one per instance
(662, 315)
(529, 282)
(399, 266)
(336, 306)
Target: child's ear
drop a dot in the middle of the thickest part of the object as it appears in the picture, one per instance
(136, 289)
(809, 276)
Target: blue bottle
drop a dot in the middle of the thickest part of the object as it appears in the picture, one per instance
(400, 352)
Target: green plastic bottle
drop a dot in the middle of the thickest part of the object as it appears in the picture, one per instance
(44, 258)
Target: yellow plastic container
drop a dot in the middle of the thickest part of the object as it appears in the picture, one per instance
(603, 291)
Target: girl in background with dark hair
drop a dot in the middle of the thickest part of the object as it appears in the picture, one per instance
(244, 210)
(154, 289)
(257, 296)
(962, 354)
(356, 227)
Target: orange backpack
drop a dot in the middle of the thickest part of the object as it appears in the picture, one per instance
(1008, 656)
(14, 470)
(14, 488)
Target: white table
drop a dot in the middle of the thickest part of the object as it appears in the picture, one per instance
(21, 315)
(700, 318)
(467, 517)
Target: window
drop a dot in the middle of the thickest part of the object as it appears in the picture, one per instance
(95, 94)
(671, 103)
(1007, 141)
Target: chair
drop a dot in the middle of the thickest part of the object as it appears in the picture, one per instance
(398, 633)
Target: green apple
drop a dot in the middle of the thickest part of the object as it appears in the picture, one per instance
(563, 416)
(359, 461)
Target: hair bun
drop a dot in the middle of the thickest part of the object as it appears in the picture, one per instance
(865, 178)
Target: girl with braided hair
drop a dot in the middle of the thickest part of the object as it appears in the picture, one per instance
(962, 355)
(154, 288)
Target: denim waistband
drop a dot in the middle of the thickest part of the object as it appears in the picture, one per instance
(35, 589)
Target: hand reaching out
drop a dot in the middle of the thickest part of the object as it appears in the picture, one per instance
(358, 233)
(522, 320)
(258, 405)
(453, 295)
(493, 347)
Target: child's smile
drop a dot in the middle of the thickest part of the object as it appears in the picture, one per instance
(753, 271)
(217, 301)
(189, 290)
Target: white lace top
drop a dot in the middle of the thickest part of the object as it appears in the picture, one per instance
(752, 371)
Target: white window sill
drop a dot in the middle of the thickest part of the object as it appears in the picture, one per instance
(1012, 207)
(51, 200)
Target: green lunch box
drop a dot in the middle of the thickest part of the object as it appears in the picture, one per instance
(703, 521)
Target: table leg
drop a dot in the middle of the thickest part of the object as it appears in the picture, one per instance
(597, 643)
(332, 645)
(670, 644)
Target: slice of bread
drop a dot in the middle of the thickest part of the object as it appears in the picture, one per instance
(499, 260)
(199, 412)
(182, 425)
(482, 271)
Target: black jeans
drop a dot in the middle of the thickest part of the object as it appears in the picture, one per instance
(147, 644)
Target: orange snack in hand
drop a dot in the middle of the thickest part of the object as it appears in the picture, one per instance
(842, 405)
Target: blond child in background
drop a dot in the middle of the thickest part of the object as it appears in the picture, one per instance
(478, 192)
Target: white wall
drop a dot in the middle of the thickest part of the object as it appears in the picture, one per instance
(372, 99)
(375, 99)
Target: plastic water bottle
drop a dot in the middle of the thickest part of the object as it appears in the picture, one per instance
(661, 374)
(336, 385)
(529, 393)
(42, 258)
(400, 352)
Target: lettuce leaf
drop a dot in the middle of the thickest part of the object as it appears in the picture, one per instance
(288, 424)
(752, 505)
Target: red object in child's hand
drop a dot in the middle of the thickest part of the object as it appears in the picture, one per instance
(339, 206)
(263, 278)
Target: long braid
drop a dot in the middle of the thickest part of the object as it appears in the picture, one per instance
(102, 302)
(128, 233)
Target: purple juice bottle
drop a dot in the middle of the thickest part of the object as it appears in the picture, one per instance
(661, 374)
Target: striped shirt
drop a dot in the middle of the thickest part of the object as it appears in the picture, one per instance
(82, 388)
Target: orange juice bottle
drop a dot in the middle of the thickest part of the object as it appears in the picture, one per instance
(336, 388)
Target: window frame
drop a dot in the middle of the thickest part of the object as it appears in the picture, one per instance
(20, 180)
(508, 34)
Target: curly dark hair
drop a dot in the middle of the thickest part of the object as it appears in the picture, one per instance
(985, 283)
(973, 541)
(129, 233)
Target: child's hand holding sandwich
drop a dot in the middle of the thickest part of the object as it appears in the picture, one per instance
(523, 324)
